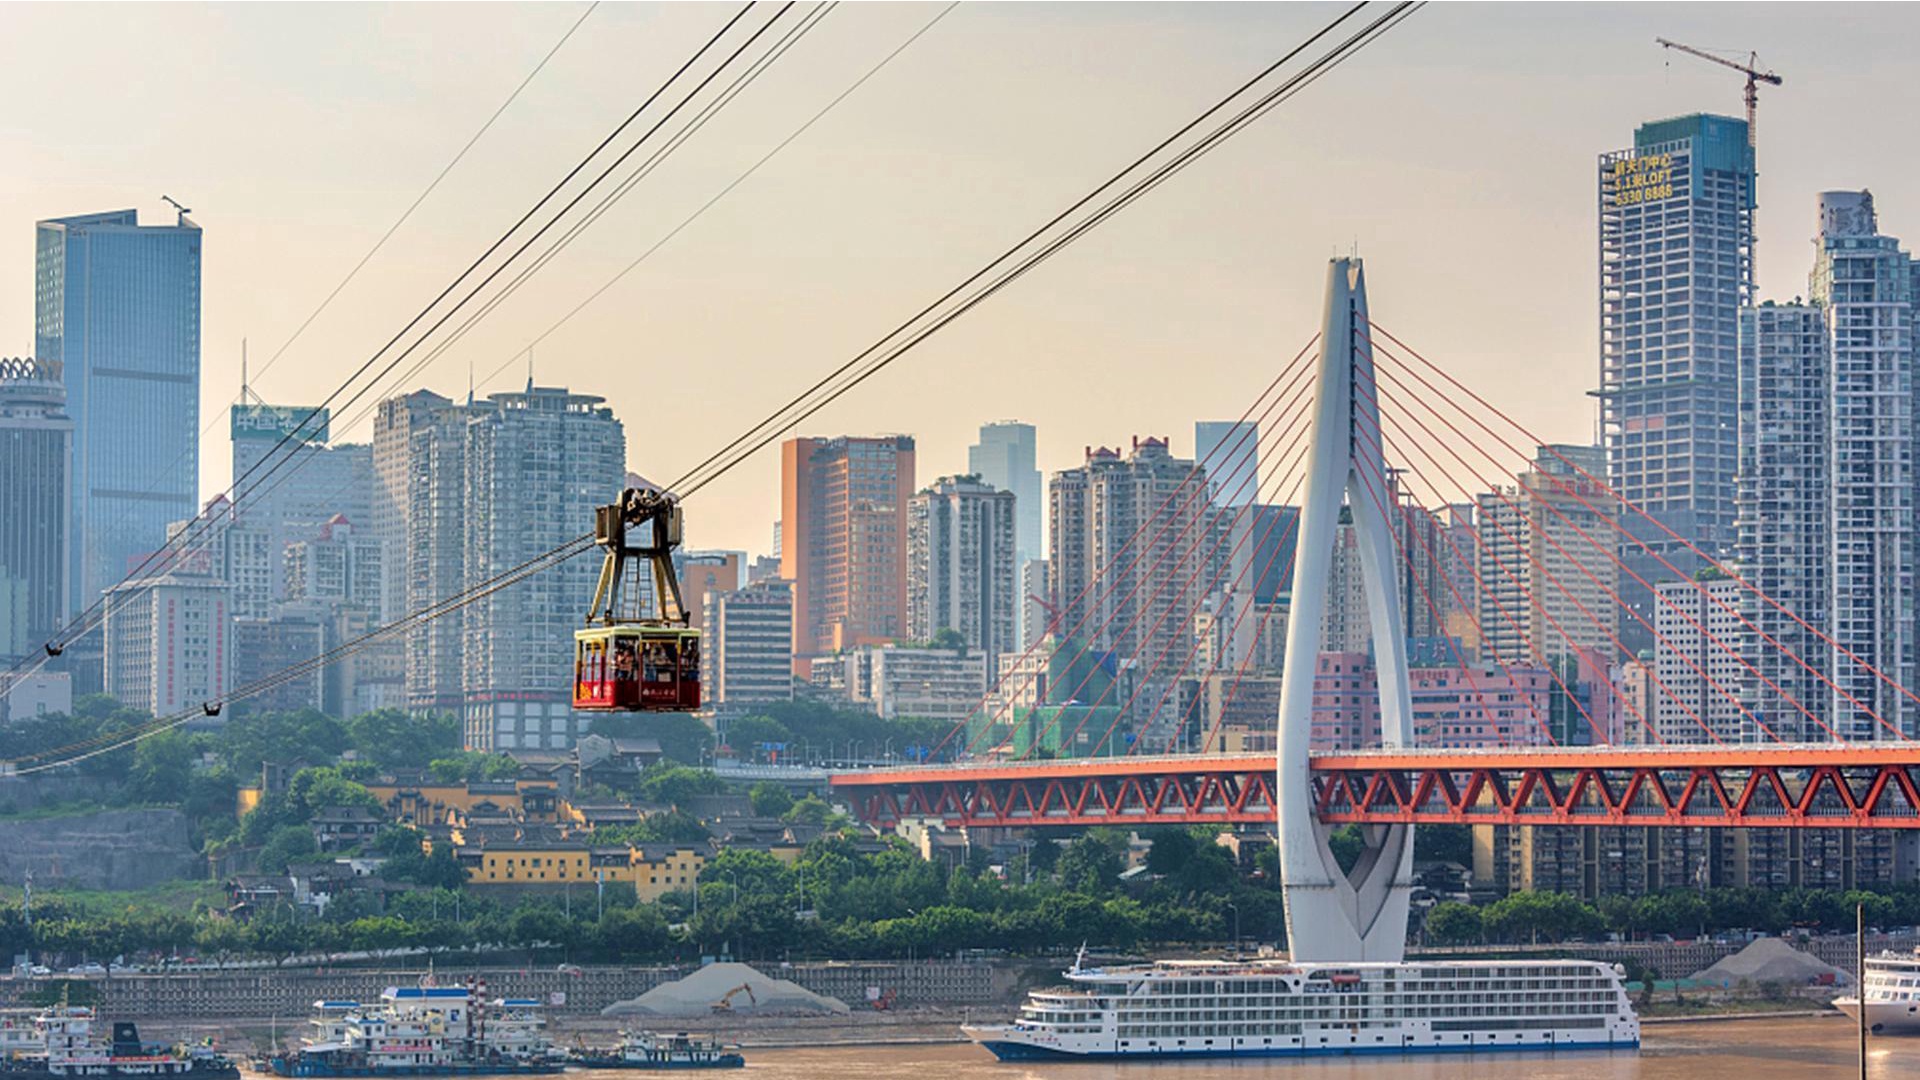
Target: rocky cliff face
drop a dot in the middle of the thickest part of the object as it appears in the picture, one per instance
(106, 849)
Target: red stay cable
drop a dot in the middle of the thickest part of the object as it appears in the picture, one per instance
(1605, 626)
(1092, 581)
(1300, 431)
(1716, 564)
(1613, 556)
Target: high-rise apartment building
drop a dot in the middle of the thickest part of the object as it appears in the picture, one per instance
(234, 549)
(704, 572)
(1004, 457)
(843, 540)
(1864, 284)
(1785, 514)
(294, 634)
(1260, 546)
(1134, 523)
(393, 428)
(338, 565)
(1035, 595)
(118, 304)
(747, 654)
(960, 565)
(1676, 267)
(36, 445)
(289, 481)
(168, 642)
(1230, 451)
(538, 463)
(1545, 562)
(433, 548)
(1697, 664)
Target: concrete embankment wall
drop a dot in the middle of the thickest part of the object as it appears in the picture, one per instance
(104, 849)
(291, 994)
(1677, 960)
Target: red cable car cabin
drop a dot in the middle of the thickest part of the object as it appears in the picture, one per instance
(637, 653)
(636, 669)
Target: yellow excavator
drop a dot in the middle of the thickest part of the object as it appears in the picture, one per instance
(725, 1004)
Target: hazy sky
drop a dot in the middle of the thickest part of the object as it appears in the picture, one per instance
(1457, 153)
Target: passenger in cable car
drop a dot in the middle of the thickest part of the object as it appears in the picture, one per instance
(659, 665)
(625, 669)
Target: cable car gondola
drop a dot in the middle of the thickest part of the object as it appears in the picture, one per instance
(637, 653)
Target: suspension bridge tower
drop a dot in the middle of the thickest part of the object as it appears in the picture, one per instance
(1333, 914)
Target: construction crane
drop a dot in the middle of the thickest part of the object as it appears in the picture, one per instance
(1751, 69)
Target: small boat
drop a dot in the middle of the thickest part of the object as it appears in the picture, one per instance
(647, 1050)
(424, 1031)
(69, 1052)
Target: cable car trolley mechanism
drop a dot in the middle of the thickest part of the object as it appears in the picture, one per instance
(637, 653)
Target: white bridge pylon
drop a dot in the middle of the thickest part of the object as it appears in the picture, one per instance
(1334, 915)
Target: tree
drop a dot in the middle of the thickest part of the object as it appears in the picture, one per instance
(1444, 843)
(394, 739)
(285, 738)
(1346, 843)
(472, 765)
(672, 785)
(753, 872)
(315, 789)
(770, 799)
(948, 638)
(1450, 923)
(1092, 863)
(288, 843)
(749, 734)
(626, 934)
(162, 768)
(811, 810)
(674, 826)
(1171, 850)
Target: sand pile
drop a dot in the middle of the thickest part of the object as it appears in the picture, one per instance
(1770, 960)
(696, 995)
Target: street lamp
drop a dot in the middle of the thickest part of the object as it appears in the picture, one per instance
(1235, 908)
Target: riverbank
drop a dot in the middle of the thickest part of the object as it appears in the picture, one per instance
(1721, 1017)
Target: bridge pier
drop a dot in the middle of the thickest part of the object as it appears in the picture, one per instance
(1333, 914)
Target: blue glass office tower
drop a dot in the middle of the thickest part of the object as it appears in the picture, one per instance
(1676, 268)
(118, 303)
(1230, 451)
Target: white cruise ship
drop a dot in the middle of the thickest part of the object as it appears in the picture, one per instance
(1278, 1008)
(1892, 990)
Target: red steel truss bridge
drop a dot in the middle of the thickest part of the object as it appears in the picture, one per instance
(1793, 786)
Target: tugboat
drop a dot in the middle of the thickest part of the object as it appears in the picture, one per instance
(646, 1050)
(424, 1031)
(71, 1054)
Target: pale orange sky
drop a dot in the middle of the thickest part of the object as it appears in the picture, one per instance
(1457, 153)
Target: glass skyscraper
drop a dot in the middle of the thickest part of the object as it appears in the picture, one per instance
(118, 303)
(1230, 452)
(1004, 457)
(1676, 268)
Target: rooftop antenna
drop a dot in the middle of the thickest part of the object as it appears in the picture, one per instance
(246, 392)
(529, 369)
(175, 203)
(469, 384)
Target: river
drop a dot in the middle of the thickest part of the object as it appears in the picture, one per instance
(1761, 1049)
